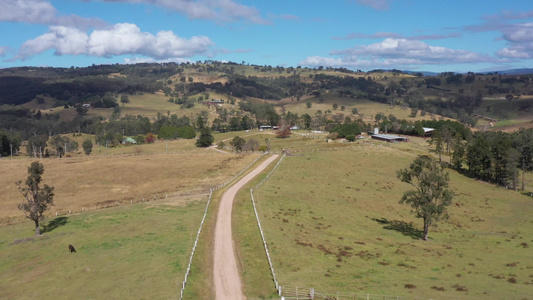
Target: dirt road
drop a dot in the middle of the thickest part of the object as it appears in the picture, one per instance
(227, 278)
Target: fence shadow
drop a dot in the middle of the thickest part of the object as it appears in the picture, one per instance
(55, 223)
(405, 228)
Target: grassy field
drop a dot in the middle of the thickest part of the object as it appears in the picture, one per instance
(139, 251)
(366, 109)
(333, 222)
(100, 181)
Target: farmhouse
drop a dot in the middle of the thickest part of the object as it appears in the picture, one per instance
(265, 127)
(390, 138)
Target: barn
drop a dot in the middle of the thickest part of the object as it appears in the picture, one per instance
(390, 138)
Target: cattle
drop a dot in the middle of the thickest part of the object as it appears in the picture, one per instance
(71, 249)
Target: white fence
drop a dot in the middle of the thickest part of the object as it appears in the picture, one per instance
(278, 288)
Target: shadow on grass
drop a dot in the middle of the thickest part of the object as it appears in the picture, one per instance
(55, 223)
(405, 228)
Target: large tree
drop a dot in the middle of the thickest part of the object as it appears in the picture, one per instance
(206, 138)
(36, 199)
(430, 197)
(87, 146)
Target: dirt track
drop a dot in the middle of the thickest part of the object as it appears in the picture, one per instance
(226, 273)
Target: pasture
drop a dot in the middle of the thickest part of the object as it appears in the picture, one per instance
(101, 181)
(138, 251)
(333, 222)
(366, 109)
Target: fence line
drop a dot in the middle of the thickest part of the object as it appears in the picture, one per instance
(184, 283)
(303, 293)
(194, 247)
(278, 288)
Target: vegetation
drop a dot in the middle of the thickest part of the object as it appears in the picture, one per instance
(315, 199)
(206, 138)
(344, 230)
(87, 146)
(37, 199)
(430, 197)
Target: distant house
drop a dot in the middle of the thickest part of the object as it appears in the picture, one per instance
(86, 105)
(216, 102)
(294, 128)
(128, 140)
(390, 138)
(265, 127)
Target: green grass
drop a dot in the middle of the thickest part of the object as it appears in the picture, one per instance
(135, 252)
(333, 222)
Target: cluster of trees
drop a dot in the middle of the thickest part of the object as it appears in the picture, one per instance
(239, 145)
(172, 133)
(496, 157)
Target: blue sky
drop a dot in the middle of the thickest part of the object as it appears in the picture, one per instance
(424, 35)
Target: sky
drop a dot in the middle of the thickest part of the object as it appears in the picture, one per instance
(416, 35)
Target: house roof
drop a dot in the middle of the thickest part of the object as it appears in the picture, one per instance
(390, 137)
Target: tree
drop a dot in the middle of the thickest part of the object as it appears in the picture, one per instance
(206, 138)
(431, 196)
(124, 99)
(87, 146)
(438, 142)
(251, 145)
(354, 111)
(309, 104)
(81, 110)
(37, 200)
(284, 130)
(237, 143)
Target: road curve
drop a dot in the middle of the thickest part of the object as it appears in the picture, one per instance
(226, 274)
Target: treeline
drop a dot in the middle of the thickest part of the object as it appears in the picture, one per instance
(496, 157)
(499, 156)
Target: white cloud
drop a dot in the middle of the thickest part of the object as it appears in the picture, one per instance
(218, 10)
(515, 53)
(404, 48)
(519, 33)
(41, 12)
(29, 11)
(520, 39)
(396, 53)
(139, 60)
(3, 50)
(122, 39)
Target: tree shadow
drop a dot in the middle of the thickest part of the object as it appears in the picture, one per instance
(55, 223)
(405, 228)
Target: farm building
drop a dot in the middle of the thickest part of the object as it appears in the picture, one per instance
(265, 127)
(389, 138)
(428, 131)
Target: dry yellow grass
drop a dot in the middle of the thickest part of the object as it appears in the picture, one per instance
(94, 182)
(366, 108)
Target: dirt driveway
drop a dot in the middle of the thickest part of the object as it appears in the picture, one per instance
(227, 278)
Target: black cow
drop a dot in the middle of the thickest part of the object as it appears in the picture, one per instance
(71, 248)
